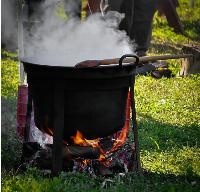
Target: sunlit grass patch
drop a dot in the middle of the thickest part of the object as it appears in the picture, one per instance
(174, 101)
(177, 161)
(9, 77)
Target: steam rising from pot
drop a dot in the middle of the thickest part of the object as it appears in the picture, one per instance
(65, 42)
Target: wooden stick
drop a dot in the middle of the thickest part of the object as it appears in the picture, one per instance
(143, 59)
(96, 63)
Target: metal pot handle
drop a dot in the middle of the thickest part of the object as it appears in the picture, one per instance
(128, 55)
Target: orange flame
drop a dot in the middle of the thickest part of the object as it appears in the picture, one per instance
(120, 140)
(119, 137)
(80, 140)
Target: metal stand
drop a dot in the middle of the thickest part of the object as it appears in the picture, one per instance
(58, 129)
(136, 165)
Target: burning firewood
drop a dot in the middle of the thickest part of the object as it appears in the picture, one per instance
(73, 152)
(33, 153)
(70, 152)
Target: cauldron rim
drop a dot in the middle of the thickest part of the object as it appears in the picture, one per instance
(38, 71)
(31, 62)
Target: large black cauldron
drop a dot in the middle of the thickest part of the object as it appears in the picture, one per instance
(94, 99)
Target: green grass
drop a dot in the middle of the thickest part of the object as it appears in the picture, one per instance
(168, 116)
(168, 109)
(33, 180)
(10, 78)
(10, 144)
(165, 40)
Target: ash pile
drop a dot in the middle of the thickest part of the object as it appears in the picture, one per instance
(103, 160)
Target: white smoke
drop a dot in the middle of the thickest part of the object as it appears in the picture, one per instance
(62, 42)
(9, 24)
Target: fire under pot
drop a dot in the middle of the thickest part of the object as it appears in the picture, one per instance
(67, 100)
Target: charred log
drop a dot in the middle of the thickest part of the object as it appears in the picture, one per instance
(31, 150)
(33, 153)
(73, 152)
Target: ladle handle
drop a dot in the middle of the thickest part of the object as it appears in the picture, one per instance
(128, 55)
